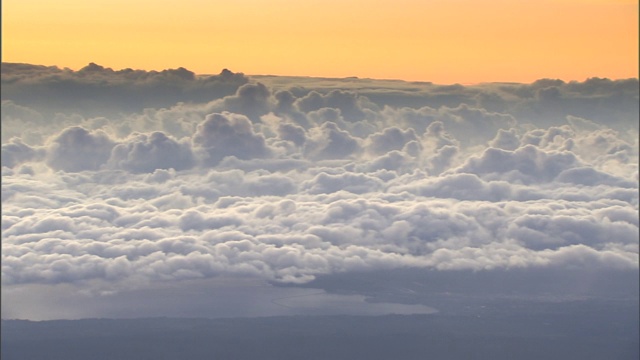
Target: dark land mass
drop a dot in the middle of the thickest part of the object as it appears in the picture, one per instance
(500, 329)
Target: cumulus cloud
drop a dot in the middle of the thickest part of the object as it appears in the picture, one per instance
(526, 164)
(506, 140)
(16, 152)
(146, 153)
(293, 133)
(330, 142)
(392, 138)
(474, 124)
(252, 100)
(347, 102)
(288, 183)
(77, 149)
(227, 134)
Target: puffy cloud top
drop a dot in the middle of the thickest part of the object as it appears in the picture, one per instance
(226, 134)
(77, 149)
(146, 153)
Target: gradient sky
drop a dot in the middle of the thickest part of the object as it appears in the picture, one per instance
(463, 41)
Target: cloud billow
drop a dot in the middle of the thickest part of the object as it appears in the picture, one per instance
(146, 153)
(227, 134)
(77, 149)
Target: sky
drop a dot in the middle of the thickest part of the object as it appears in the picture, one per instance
(131, 193)
(446, 42)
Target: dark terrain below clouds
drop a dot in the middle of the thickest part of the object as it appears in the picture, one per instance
(572, 330)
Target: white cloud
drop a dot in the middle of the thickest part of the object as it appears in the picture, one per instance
(146, 153)
(76, 149)
(226, 134)
(392, 138)
(329, 142)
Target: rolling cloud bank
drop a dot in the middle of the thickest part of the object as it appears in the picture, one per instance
(116, 180)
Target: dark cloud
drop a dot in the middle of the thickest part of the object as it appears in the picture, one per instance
(95, 89)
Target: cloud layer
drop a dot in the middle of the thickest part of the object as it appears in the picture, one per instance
(287, 183)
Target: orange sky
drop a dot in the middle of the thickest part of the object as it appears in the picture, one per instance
(444, 41)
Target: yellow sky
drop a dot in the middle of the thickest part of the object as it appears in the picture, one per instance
(444, 41)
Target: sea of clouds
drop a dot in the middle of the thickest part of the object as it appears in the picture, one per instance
(121, 179)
